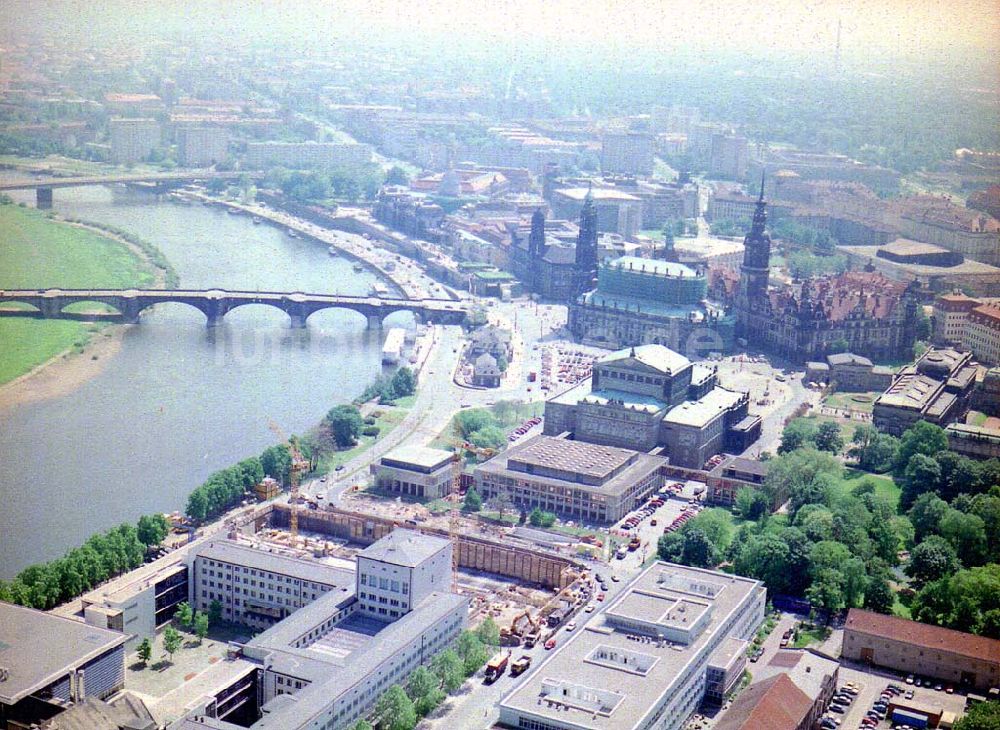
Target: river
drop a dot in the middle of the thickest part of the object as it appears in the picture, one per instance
(179, 400)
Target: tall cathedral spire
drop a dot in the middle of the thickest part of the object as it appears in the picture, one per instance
(585, 273)
(755, 271)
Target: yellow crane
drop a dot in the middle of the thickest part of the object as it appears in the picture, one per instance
(298, 467)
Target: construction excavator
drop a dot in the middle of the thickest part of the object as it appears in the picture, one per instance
(298, 467)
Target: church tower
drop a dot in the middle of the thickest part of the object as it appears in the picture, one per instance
(755, 271)
(585, 269)
(536, 249)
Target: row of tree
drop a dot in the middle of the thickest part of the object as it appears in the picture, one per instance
(402, 383)
(427, 687)
(226, 488)
(103, 556)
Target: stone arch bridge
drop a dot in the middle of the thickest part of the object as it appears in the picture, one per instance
(216, 303)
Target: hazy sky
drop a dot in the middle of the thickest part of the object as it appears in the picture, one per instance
(878, 27)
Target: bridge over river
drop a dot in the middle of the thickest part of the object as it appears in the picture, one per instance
(165, 180)
(216, 303)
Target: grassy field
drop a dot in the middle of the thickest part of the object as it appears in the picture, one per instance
(861, 402)
(884, 485)
(809, 635)
(40, 252)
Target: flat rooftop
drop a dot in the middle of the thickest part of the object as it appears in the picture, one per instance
(404, 547)
(701, 412)
(559, 462)
(573, 456)
(602, 679)
(38, 648)
(420, 456)
(235, 553)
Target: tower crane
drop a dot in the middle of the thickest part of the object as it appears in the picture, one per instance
(298, 467)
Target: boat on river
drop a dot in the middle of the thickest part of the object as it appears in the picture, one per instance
(358, 268)
(332, 250)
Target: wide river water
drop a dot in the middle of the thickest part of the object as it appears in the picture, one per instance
(179, 400)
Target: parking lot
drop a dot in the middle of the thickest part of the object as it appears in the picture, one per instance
(650, 526)
(871, 683)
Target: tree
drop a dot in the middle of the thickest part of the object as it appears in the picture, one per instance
(171, 641)
(828, 437)
(500, 504)
(472, 652)
(447, 666)
(967, 534)
(184, 614)
(968, 601)
(855, 583)
(490, 437)
(826, 591)
(987, 508)
(345, 423)
(879, 596)
(922, 437)
(796, 434)
(926, 514)
(538, 518)
(404, 383)
(420, 683)
(214, 611)
(931, 560)
(765, 557)
(395, 710)
(197, 505)
(717, 524)
(981, 716)
(362, 725)
(874, 451)
(200, 625)
(698, 551)
(276, 461)
(396, 175)
(752, 504)
(144, 650)
(473, 502)
(425, 705)
(921, 475)
(152, 529)
(795, 476)
(488, 632)
(816, 521)
(474, 419)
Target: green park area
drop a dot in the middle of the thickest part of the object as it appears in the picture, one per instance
(40, 252)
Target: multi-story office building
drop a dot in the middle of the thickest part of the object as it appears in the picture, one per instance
(202, 146)
(951, 312)
(573, 478)
(260, 155)
(630, 153)
(647, 658)
(325, 666)
(255, 587)
(915, 648)
(649, 396)
(48, 662)
(730, 205)
(400, 571)
(133, 139)
(416, 471)
(617, 211)
(937, 388)
(982, 333)
(139, 607)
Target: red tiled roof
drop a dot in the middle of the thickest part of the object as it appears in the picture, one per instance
(923, 635)
(988, 314)
(774, 703)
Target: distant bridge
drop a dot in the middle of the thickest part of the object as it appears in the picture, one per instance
(216, 303)
(45, 185)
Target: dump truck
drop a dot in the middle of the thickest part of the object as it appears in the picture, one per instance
(520, 665)
(496, 667)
